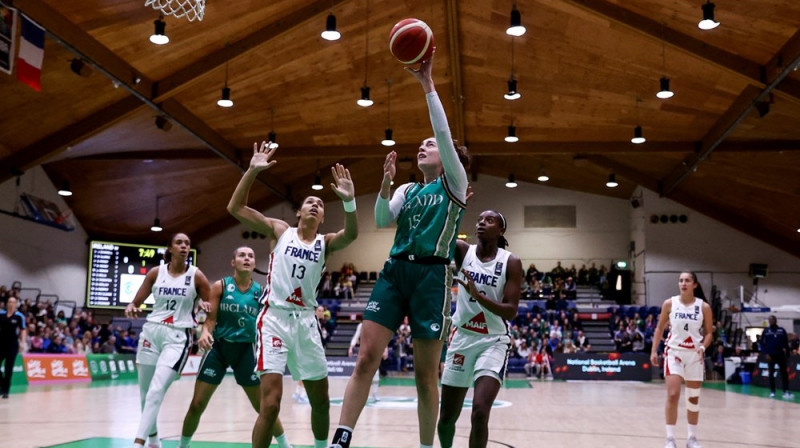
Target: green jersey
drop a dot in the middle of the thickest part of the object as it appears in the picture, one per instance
(236, 317)
(428, 222)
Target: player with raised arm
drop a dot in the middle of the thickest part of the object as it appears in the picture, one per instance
(287, 331)
(416, 280)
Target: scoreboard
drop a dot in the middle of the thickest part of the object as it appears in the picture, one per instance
(117, 270)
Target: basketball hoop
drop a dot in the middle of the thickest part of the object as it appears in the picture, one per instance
(191, 9)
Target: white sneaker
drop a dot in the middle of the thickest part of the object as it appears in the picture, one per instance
(692, 442)
(335, 445)
(772, 395)
(788, 395)
(670, 443)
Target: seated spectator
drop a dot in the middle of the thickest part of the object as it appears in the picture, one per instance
(61, 317)
(404, 329)
(37, 341)
(523, 350)
(57, 345)
(570, 289)
(622, 339)
(125, 344)
(569, 347)
(110, 346)
(583, 342)
(326, 288)
(403, 351)
(637, 338)
(541, 363)
(83, 346)
(583, 275)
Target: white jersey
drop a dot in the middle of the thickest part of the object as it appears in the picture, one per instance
(295, 269)
(685, 323)
(174, 298)
(490, 279)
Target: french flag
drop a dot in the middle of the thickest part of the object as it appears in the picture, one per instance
(31, 54)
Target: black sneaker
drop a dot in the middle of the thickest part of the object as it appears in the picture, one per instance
(5, 395)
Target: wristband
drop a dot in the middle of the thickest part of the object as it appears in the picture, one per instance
(349, 206)
(703, 348)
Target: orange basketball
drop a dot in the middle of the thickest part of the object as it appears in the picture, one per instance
(411, 41)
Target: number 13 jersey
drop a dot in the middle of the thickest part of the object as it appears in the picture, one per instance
(295, 269)
(174, 298)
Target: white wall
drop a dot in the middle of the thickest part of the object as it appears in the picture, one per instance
(55, 261)
(718, 253)
(40, 256)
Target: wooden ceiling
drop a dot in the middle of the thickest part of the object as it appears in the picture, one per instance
(580, 67)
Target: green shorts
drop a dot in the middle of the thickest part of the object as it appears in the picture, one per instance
(419, 291)
(240, 356)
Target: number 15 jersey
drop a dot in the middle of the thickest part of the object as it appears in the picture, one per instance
(295, 269)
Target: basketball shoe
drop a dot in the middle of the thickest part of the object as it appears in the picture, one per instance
(692, 442)
(670, 443)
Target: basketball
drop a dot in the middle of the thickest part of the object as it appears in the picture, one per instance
(411, 41)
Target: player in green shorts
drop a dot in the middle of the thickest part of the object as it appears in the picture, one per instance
(416, 280)
(228, 337)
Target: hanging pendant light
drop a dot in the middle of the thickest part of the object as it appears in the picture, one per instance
(708, 22)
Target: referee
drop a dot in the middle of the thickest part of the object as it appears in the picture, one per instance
(12, 339)
(775, 344)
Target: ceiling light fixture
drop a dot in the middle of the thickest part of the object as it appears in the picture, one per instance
(330, 32)
(515, 29)
(365, 100)
(512, 183)
(225, 99)
(159, 36)
(272, 138)
(638, 137)
(612, 181)
(543, 177)
(65, 190)
(156, 227)
(388, 140)
(512, 134)
(708, 22)
(664, 91)
(513, 93)
(317, 180)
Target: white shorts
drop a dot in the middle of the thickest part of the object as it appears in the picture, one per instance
(472, 356)
(164, 345)
(290, 338)
(684, 363)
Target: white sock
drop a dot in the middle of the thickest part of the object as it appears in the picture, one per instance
(283, 441)
(425, 446)
(185, 442)
(320, 443)
(670, 431)
(153, 441)
(692, 431)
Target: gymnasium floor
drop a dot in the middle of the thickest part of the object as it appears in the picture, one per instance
(528, 414)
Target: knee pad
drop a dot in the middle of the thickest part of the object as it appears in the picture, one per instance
(692, 392)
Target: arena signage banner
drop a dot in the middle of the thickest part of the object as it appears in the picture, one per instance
(112, 366)
(761, 373)
(602, 366)
(54, 369)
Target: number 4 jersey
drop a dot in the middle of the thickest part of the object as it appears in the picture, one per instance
(685, 324)
(174, 298)
(295, 269)
(490, 279)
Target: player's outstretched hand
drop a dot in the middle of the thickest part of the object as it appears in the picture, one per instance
(131, 311)
(342, 183)
(262, 155)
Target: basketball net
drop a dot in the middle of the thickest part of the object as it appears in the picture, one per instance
(191, 9)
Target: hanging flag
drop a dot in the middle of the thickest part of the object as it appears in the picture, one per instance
(31, 54)
(7, 34)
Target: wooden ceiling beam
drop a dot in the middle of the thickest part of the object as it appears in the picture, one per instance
(179, 80)
(38, 152)
(476, 150)
(114, 67)
(789, 55)
(458, 127)
(731, 62)
(75, 39)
